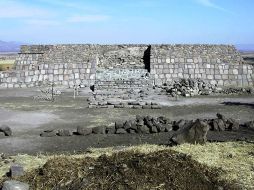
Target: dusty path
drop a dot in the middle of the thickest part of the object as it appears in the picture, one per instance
(28, 118)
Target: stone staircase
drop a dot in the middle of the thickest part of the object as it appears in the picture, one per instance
(122, 79)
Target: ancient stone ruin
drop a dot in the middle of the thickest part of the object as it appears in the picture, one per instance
(124, 66)
(121, 76)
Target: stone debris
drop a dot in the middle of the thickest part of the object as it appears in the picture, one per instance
(189, 87)
(15, 185)
(221, 123)
(99, 130)
(249, 125)
(2, 134)
(237, 90)
(84, 131)
(150, 125)
(6, 130)
(64, 133)
(193, 132)
(48, 133)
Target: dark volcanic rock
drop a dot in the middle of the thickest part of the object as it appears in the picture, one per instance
(163, 120)
(121, 131)
(218, 125)
(127, 124)
(179, 124)
(131, 131)
(156, 107)
(153, 129)
(119, 124)
(195, 133)
(111, 129)
(84, 131)
(143, 129)
(139, 118)
(2, 134)
(250, 125)
(222, 117)
(160, 127)
(168, 127)
(64, 133)
(48, 133)
(99, 130)
(6, 130)
(232, 124)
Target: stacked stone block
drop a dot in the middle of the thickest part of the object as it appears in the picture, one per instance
(221, 65)
(77, 64)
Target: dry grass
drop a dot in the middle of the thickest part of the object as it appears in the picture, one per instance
(234, 160)
(7, 62)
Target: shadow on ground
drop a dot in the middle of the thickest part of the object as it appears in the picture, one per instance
(251, 105)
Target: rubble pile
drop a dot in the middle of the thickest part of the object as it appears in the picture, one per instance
(235, 90)
(189, 87)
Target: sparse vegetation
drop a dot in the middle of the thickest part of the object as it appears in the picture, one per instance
(6, 64)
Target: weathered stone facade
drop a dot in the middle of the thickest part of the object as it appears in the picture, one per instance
(221, 65)
(84, 64)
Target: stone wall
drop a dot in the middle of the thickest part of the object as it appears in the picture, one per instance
(121, 79)
(217, 64)
(79, 64)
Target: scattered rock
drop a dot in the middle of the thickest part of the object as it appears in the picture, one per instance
(111, 129)
(143, 129)
(179, 124)
(48, 133)
(113, 102)
(156, 107)
(121, 131)
(16, 170)
(218, 125)
(15, 185)
(195, 133)
(153, 129)
(119, 124)
(2, 134)
(64, 133)
(127, 124)
(99, 130)
(250, 125)
(222, 117)
(6, 130)
(232, 124)
(168, 127)
(189, 87)
(84, 131)
(131, 131)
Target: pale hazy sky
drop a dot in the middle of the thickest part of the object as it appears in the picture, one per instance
(127, 21)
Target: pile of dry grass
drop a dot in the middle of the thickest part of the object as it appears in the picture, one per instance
(228, 165)
(129, 169)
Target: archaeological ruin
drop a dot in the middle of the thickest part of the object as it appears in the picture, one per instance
(124, 66)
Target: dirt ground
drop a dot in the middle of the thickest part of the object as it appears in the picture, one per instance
(28, 118)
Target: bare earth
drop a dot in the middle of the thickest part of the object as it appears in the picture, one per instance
(28, 118)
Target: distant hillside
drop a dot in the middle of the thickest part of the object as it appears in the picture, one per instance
(10, 46)
(245, 47)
